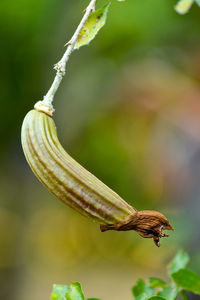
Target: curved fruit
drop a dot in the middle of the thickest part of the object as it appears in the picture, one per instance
(77, 187)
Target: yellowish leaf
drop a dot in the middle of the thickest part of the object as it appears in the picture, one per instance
(94, 23)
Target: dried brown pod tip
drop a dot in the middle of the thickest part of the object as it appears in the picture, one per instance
(147, 223)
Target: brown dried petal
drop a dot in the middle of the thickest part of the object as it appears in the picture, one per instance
(148, 224)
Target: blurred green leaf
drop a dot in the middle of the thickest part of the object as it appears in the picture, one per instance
(198, 2)
(95, 22)
(142, 289)
(64, 292)
(187, 280)
(156, 298)
(180, 261)
(169, 292)
(76, 292)
(183, 6)
(183, 295)
(59, 292)
(156, 283)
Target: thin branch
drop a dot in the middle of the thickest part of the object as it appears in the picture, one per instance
(60, 67)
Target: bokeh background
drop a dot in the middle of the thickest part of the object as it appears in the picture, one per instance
(129, 111)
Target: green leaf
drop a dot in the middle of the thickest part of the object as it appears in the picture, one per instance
(64, 292)
(156, 283)
(183, 6)
(141, 288)
(169, 292)
(180, 261)
(187, 280)
(59, 292)
(94, 23)
(76, 292)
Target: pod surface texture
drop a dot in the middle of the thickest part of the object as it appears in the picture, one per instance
(66, 178)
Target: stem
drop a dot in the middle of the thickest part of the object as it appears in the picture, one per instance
(46, 104)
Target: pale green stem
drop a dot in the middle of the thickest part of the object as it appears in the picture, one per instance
(46, 104)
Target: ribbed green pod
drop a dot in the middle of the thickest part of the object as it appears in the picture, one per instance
(66, 178)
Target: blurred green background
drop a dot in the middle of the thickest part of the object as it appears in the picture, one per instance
(129, 111)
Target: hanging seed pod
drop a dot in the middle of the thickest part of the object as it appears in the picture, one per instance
(77, 187)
